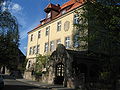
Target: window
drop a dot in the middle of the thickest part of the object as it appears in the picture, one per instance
(63, 12)
(31, 39)
(34, 49)
(39, 34)
(47, 30)
(76, 19)
(76, 43)
(58, 41)
(29, 63)
(30, 52)
(49, 15)
(67, 42)
(51, 45)
(37, 49)
(59, 26)
(46, 47)
(60, 69)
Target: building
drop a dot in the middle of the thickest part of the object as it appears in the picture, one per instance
(56, 28)
(74, 69)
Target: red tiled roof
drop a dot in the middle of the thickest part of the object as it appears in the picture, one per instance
(73, 3)
(67, 4)
(38, 26)
(35, 28)
(52, 6)
(70, 3)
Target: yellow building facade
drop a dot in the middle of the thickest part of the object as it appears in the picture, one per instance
(56, 28)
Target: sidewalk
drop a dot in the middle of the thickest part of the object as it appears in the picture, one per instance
(39, 84)
(44, 85)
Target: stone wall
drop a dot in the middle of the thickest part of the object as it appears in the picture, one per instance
(28, 75)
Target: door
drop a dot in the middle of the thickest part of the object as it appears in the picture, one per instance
(59, 73)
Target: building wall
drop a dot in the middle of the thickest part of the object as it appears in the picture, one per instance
(53, 34)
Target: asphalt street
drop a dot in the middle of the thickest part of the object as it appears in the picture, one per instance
(11, 84)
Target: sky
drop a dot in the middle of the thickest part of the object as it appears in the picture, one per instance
(28, 14)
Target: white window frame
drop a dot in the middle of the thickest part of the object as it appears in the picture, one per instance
(59, 26)
(51, 45)
(76, 19)
(58, 41)
(47, 31)
(63, 12)
(49, 15)
(67, 42)
(37, 49)
(46, 47)
(34, 49)
(76, 43)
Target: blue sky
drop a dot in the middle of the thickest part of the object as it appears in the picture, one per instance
(29, 13)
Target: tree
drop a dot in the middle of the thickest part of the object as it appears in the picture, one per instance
(9, 39)
(102, 22)
(41, 62)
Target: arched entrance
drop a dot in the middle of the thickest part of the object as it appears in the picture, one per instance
(59, 75)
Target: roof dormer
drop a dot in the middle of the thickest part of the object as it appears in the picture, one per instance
(52, 7)
(52, 10)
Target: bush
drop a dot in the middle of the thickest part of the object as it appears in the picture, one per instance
(38, 73)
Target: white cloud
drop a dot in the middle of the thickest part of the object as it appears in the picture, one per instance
(16, 7)
(13, 7)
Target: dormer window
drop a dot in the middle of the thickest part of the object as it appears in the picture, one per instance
(49, 15)
(63, 12)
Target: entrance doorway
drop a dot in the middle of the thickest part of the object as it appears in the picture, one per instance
(59, 73)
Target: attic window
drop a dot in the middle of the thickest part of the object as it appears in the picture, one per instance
(49, 15)
(63, 12)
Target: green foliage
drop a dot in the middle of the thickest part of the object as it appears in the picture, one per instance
(38, 73)
(102, 21)
(22, 66)
(9, 39)
(41, 62)
(104, 75)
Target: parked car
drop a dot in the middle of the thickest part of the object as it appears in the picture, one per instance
(1, 82)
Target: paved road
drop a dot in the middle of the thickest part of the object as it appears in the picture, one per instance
(11, 84)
